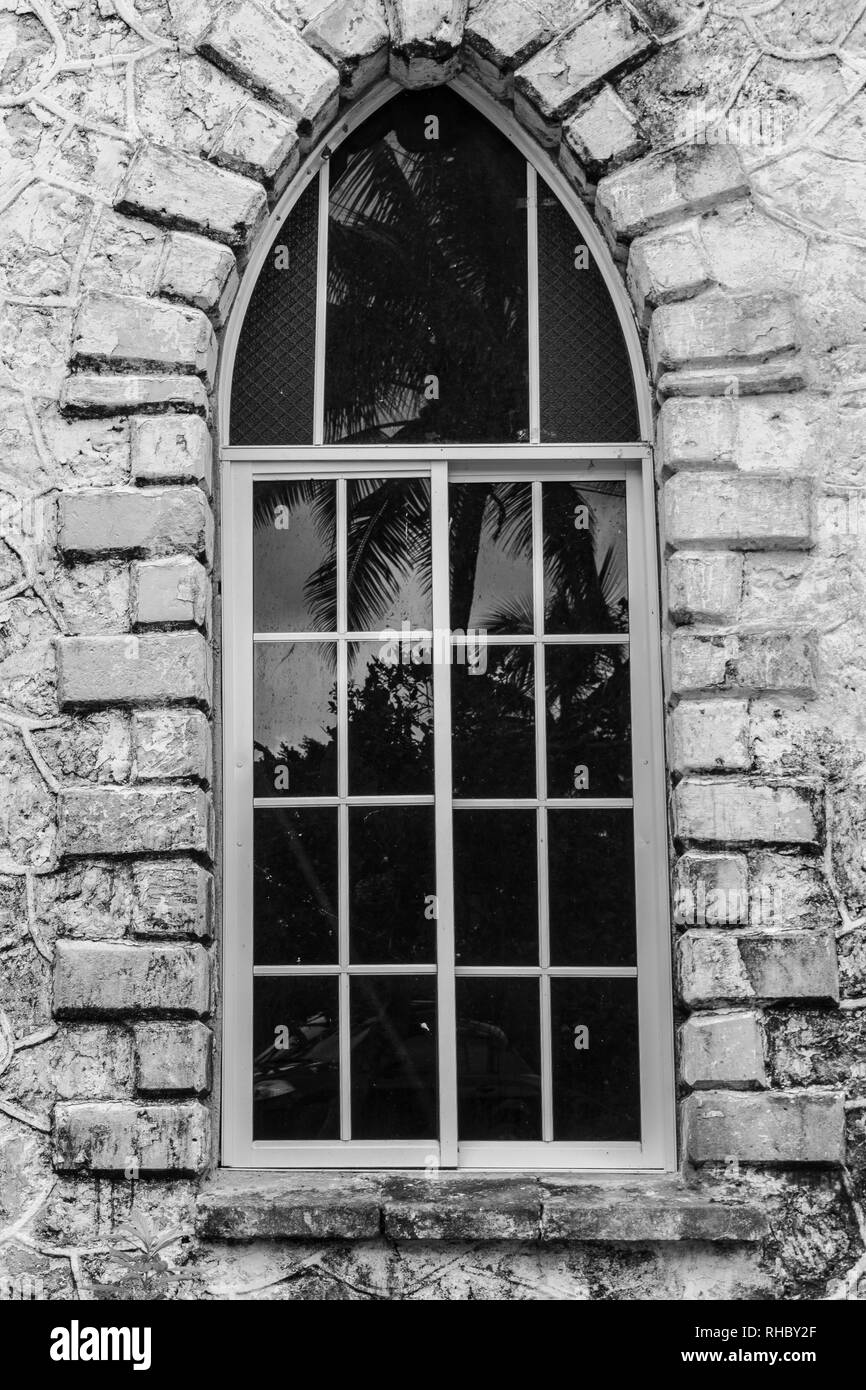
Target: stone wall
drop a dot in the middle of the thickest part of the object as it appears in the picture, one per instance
(721, 148)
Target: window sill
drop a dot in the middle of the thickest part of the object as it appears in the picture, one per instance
(245, 1205)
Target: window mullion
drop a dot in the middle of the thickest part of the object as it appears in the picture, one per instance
(446, 991)
(343, 816)
(541, 812)
(321, 308)
(532, 304)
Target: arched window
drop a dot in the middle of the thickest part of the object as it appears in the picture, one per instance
(445, 936)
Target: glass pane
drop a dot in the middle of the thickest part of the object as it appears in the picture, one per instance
(296, 1068)
(272, 385)
(295, 886)
(392, 884)
(588, 721)
(394, 1057)
(591, 874)
(495, 888)
(493, 721)
(295, 719)
(587, 392)
(491, 557)
(390, 719)
(427, 299)
(498, 1059)
(585, 557)
(389, 558)
(595, 1059)
(294, 548)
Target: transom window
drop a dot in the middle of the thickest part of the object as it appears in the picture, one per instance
(444, 936)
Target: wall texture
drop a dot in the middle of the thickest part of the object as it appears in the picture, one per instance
(721, 147)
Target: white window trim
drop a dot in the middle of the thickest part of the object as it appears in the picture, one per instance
(241, 465)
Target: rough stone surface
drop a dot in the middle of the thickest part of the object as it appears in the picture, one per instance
(704, 586)
(669, 187)
(136, 1139)
(170, 745)
(114, 978)
(773, 1128)
(716, 328)
(723, 1050)
(166, 186)
(353, 35)
(174, 590)
(712, 737)
(744, 513)
(172, 1057)
(151, 669)
(737, 811)
(171, 897)
(143, 334)
(135, 821)
(141, 521)
(425, 39)
(171, 449)
(731, 967)
(88, 393)
(749, 663)
(601, 135)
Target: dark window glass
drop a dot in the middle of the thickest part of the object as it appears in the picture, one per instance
(591, 876)
(394, 1057)
(495, 887)
(490, 528)
(587, 391)
(595, 1060)
(493, 722)
(588, 721)
(390, 719)
(427, 301)
(294, 548)
(272, 385)
(498, 1059)
(295, 886)
(392, 884)
(295, 721)
(388, 554)
(585, 557)
(296, 1059)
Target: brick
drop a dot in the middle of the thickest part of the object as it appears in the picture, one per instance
(112, 977)
(259, 143)
(171, 449)
(174, 590)
(748, 663)
(353, 35)
(144, 521)
(666, 267)
(89, 393)
(259, 49)
(135, 820)
(752, 511)
(173, 1057)
(697, 433)
(155, 668)
(425, 40)
(202, 272)
(554, 81)
(669, 187)
(711, 890)
(125, 331)
(712, 737)
(777, 1127)
(164, 185)
(704, 586)
(502, 34)
(720, 328)
(723, 1050)
(171, 744)
(735, 379)
(789, 890)
(602, 134)
(732, 809)
(171, 897)
(126, 1138)
(734, 966)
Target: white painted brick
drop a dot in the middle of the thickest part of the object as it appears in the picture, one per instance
(725, 1049)
(712, 737)
(704, 586)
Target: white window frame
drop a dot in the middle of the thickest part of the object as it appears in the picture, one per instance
(241, 467)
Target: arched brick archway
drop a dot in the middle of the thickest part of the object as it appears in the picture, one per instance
(134, 227)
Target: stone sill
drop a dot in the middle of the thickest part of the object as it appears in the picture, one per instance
(245, 1205)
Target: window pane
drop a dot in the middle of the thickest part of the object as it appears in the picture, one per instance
(595, 1059)
(296, 1071)
(294, 548)
(295, 722)
(392, 884)
(588, 721)
(389, 564)
(587, 391)
(498, 1059)
(491, 557)
(394, 1057)
(295, 886)
(272, 385)
(585, 557)
(495, 888)
(390, 719)
(591, 875)
(493, 717)
(427, 300)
